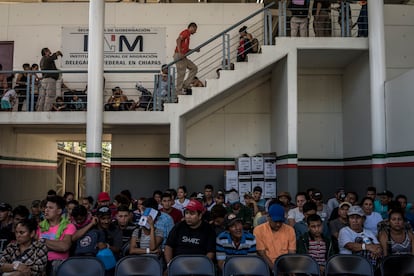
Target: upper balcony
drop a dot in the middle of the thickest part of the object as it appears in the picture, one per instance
(142, 108)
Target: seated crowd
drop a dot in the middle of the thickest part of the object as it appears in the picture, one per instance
(217, 225)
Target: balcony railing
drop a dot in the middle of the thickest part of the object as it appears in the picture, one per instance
(328, 22)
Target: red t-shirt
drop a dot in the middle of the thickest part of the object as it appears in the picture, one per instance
(176, 214)
(185, 43)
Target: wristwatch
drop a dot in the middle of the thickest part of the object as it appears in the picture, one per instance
(363, 246)
(15, 265)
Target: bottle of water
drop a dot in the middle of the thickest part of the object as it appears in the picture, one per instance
(365, 239)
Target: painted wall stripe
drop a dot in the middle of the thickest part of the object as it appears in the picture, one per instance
(93, 155)
(93, 165)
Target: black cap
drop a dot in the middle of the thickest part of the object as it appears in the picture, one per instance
(317, 195)
(230, 219)
(5, 207)
(386, 193)
(103, 211)
(243, 29)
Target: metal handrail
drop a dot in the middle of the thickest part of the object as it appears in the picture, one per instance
(232, 27)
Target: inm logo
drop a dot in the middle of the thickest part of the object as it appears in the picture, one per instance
(113, 44)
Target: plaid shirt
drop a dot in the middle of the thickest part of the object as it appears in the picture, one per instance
(35, 256)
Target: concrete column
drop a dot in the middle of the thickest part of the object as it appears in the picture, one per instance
(95, 97)
(292, 122)
(284, 129)
(177, 151)
(377, 82)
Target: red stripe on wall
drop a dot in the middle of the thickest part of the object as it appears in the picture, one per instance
(93, 165)
(287, 166)
(140, 166)
(179, 165)
(402, 164)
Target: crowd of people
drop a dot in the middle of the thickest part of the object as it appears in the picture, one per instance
(221, 224)
(301, 13)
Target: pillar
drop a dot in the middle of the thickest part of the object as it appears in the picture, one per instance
(94, 117)
(377, 82)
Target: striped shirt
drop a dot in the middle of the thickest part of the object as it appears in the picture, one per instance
(226, 247)
(317, 250)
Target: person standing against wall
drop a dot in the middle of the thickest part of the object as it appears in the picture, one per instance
(183, 87)
(48, 94)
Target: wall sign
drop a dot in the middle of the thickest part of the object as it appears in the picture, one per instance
(124, 47)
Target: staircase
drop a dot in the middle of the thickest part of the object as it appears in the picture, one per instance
(228, 82)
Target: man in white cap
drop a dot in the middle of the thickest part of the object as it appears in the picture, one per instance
(354, 239)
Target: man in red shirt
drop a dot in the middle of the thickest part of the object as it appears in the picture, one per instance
(166, 202)
(183, 47)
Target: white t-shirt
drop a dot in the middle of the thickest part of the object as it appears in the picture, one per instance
(295, 214)
(347, 235)
(372, 221)
(181, 206)
(9, 93)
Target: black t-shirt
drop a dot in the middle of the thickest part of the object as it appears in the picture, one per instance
(185, 240)
(326, 5)
(87, 245)
(6, 236)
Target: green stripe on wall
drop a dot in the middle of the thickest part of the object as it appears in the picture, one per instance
(281, 157)
(93, 155)
(23, 159)
(287, 156)
(401, 154)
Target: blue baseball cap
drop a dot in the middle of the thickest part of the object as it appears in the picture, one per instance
(277, 213)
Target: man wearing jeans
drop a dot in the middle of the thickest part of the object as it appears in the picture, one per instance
(48, 95)
(183, 63)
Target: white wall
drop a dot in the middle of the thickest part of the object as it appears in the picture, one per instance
(400, 113)
(140, 145)
(399, 39)
(356, 108)
(279, 102)
(320, 116)
(243, 126)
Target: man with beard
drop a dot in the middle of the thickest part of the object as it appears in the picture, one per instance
(192, 235)
(113, 235)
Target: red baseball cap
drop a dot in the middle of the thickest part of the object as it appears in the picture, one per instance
(103, 196)
(195, 205)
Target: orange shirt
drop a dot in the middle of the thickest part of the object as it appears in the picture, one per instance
(275, 243)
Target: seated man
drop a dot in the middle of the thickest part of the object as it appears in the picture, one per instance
(118, 101)
(274, 238)
(242, 212)
(234, 241)
(88, 238)
(315, 243)
(55, 231)
(59, 105)
(192, 235)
